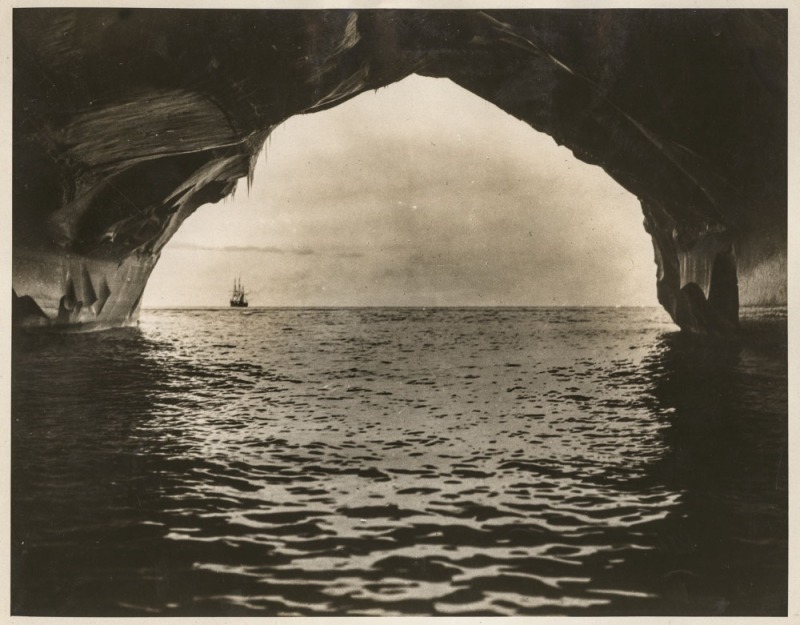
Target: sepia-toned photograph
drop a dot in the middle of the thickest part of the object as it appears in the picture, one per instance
(370, 312)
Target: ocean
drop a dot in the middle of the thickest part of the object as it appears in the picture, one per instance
(442, 461)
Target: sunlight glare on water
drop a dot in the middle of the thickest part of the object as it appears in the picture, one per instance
(398, 461)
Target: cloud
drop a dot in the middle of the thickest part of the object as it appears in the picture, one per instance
(262, 249)
(259, 249)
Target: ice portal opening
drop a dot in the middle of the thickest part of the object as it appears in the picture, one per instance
(419, 194)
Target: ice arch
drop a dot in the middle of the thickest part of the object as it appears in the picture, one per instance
(125, 121)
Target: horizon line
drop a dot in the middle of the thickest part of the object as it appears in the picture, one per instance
(378, 306)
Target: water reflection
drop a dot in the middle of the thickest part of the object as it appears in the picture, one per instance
(83, 479)
(151, 475)
(724, 550)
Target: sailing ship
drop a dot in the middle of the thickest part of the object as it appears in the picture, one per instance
(238, 297)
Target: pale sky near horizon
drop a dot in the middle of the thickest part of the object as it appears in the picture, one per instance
(419, 194)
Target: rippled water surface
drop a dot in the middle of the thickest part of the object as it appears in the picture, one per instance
(400, 461)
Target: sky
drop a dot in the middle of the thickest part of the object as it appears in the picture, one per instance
(418, 194)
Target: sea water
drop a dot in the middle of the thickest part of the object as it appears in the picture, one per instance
(400, 461)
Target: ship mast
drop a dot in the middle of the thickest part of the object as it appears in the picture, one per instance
(238, 297)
